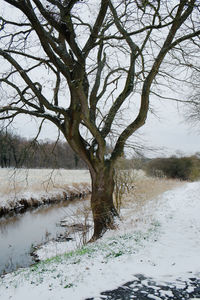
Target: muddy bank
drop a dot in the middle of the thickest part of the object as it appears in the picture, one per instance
(19, 204)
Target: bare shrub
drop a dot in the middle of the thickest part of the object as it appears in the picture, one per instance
(124, 183)
(78, 224)
(183, 168)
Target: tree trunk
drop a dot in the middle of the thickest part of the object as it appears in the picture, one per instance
(102, 205)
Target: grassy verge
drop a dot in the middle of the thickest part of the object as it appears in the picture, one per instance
(147, 188)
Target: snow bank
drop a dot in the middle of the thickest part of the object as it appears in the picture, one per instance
(21, 188)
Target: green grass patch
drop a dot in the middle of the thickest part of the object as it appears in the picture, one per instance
(103, 251)
(69, 285)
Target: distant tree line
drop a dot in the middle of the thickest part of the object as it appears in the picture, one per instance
(183, 168)
(19, 152)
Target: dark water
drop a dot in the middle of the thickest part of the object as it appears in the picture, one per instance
(18, 234)
(146, 288)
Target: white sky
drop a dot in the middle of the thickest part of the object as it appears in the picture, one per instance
(168, 132)
(171, 132)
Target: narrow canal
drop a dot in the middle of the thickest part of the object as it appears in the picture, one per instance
(19, 233)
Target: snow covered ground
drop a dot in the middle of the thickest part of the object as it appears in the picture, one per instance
(39, 185)
(162, 241)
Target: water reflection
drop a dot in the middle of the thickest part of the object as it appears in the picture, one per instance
(19, 233)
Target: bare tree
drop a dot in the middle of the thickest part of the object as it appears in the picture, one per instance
(82, 64)
(192, 109)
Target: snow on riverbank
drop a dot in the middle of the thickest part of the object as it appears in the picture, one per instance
(164, 244)
(22, 188)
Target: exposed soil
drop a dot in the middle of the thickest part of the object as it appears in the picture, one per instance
(145, 288)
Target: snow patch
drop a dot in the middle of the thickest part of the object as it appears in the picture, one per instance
(167, 251)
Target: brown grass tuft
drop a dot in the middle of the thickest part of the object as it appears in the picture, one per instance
(146, 189)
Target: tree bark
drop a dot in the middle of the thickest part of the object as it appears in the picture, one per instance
(102, 205)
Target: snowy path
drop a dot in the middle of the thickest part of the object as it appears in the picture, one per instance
(169, 253)
(178, 248)
(172, 264)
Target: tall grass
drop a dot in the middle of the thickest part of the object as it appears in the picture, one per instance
(40, 180)
(139, 206)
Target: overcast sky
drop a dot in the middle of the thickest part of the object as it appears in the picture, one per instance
(168, 132)
(171, 132)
